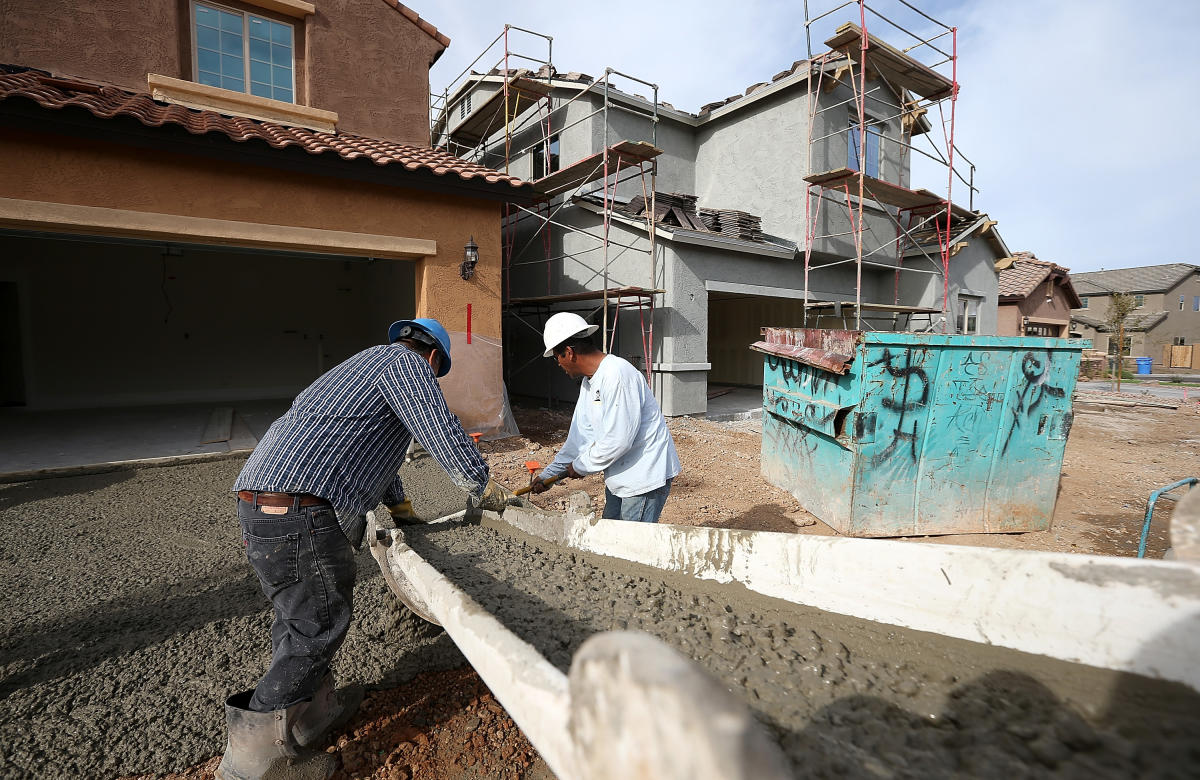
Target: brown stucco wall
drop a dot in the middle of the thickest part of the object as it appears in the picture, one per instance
(1008, 320)
(361, 59)
(60, 170)
(107, 40)
(371, 65)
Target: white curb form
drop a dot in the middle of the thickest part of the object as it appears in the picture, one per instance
(1125, 614)
(532, 690)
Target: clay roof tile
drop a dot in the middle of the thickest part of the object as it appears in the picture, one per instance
(108, 102)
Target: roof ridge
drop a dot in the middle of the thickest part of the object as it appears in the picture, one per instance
(416, 19)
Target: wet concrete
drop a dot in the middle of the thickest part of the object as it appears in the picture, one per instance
(129, 613)
(845, 697)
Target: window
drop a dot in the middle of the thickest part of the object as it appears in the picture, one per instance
(1042, 329)
(542, 166)
(1196, 303)
(1139, 301)
(1083, 303)
(1181, 302)
(1112, 345)
(235, 49)
(464, 107)
(874, 143)
(968, 314)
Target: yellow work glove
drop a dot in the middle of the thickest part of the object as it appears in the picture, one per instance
(495, 497)
(402, 512)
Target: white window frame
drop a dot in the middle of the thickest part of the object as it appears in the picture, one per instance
(966, 303)
(245, 45)
(872, 124)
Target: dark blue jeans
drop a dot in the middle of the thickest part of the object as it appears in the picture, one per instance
(306, 568)
(644, 508)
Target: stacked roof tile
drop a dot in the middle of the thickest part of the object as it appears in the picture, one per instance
(108, 102)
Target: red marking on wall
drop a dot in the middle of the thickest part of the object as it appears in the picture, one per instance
(468, 323)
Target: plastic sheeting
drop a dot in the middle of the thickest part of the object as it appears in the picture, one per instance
(474, 388)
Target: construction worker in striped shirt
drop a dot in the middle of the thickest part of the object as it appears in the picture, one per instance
(302, 499)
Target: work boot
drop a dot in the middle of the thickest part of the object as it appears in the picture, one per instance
(261, 746)
(329, 709)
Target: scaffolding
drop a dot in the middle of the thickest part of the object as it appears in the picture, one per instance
(496, 113)
(924, 222)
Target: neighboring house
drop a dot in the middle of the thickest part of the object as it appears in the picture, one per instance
(218, 200)
(731, 231)
(1036, 298)
(1164, 326)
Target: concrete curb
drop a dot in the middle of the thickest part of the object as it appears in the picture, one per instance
(532, 690)
(1125, 614)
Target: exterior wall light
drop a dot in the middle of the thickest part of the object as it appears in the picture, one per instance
(470, 258)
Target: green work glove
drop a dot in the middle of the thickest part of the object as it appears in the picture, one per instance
(495, 497)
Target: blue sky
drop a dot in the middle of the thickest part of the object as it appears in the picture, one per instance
(1080, 115)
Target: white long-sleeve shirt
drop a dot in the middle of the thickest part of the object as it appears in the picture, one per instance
(618, 428)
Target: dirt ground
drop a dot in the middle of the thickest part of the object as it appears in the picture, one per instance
(447, 725)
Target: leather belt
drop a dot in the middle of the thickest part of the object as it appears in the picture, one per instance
(278, 499)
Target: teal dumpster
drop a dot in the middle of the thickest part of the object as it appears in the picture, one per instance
(1144, 365)
(904, 434)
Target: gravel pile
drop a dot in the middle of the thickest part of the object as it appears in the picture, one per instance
(129, 613)
(845, 697)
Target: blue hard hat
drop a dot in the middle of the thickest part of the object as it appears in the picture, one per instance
(433, 328)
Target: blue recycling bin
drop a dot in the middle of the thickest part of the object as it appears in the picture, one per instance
(1144, 365)
(905, 434)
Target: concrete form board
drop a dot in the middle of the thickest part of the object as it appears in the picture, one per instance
(1115, 613)
(924, 434)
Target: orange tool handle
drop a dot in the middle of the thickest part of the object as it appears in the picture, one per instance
(528, 488)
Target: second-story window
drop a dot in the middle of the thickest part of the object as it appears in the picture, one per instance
(542, 165)
(968, 314)
(1083, 303)
(1139, 301)
(871, 164)
(244, 52)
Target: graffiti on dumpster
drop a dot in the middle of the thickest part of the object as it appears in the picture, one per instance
(802, 377)
(1031, 390)
(908, 400)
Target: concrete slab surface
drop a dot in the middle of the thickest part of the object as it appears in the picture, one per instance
(734, 403)
(64, 438)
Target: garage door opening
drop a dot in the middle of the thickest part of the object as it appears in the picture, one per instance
(736, 377)
(140, 325)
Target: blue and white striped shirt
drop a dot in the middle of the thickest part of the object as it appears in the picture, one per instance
(345, 436)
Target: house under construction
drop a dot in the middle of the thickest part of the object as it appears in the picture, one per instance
(683, 234)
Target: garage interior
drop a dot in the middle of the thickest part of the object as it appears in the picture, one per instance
(117, 349)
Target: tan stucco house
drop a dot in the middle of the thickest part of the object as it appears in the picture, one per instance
(1035, 297)
(1165, 326)
(218, 200)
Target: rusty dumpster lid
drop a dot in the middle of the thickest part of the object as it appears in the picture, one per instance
(823, 348)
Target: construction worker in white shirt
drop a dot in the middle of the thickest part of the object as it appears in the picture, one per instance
(617, 427)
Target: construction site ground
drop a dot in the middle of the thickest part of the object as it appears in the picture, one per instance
(131, 612)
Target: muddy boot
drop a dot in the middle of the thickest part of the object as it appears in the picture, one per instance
(261, 745)
(329, 709)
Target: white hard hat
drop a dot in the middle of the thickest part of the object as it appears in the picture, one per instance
(563, 326)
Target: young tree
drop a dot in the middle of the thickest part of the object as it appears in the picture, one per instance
(1119, 310)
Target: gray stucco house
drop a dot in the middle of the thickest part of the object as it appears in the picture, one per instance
(734, 220)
